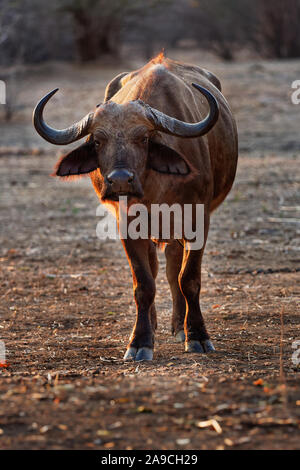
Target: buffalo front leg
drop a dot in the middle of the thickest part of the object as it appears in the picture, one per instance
(174, 253)
(153, 261)
(141, 343)
(196, 336)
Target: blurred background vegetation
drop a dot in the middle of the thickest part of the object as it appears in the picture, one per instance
(35, 31)
(114, 32)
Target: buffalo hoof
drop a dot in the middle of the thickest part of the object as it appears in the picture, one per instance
(180, 337)
(130, 354)
(208, 346)
(194, 346)
(144, 354)
(141, 354)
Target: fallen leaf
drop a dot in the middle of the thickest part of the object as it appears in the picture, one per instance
(183, 442)
(62, 427)
(243, 440)
(122, 400)
(258, 382)
(44, 429)
(143, 409)
(109, 445)
(4, 365)
(102, 432)
(210, 423)
(228, 442)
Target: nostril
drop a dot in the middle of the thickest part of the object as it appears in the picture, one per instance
(120, 176)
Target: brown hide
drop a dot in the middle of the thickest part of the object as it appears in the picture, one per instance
(166, 85)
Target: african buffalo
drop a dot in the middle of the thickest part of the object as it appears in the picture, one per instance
(156, 139)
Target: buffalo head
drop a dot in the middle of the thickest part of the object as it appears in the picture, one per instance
(121, 143)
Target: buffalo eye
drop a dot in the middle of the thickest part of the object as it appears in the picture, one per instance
(142, 140)
(99, 143)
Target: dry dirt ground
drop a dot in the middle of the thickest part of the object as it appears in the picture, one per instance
(66, 307)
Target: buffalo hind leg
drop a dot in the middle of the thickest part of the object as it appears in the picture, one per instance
(196, 336)
(174, 253)
(141, 343)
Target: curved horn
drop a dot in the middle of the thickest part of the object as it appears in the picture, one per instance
(59, 137)
(173, 126)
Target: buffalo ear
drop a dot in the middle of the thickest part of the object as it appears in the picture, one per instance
(164, 159)
(80, 161)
